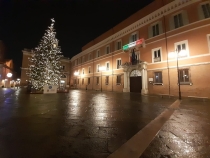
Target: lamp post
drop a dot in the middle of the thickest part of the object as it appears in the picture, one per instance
(180, 97)
(182, 53)
(76, 74)
(102, 68)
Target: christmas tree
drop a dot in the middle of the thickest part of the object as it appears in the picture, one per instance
(45, 64)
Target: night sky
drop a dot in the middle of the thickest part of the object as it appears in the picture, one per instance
(77, 22)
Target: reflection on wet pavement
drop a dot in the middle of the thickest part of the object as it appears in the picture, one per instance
(75, 124)
(185, 135)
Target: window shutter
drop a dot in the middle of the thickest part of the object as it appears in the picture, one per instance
(160, 27)
(171, 23)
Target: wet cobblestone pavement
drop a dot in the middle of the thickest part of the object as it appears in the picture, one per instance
(92, 124)
(185, 135)
(80, 124)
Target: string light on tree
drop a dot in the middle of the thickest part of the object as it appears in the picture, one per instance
(45, 64)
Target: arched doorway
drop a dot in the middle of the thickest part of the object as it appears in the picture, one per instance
(135, 81)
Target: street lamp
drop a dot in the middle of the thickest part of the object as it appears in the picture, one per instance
(177, 54)
(102, 68)
(76, 73)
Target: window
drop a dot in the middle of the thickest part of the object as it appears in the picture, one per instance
(107, 49)
(182, 49)
(97, 53)
(88, 80)
(77, 81)
(83, 71)
(118, 79)
(97, 68)
(89, 56)
(178, 20)
(155, 30)
(97, 80)
(107, 80)
(118, 45)
(89, 69)
(206, 10)
(134, 37)
(156, 54)
(82, 81)
(158, 77)
(184, 76)
(118, 63)
(107, 65)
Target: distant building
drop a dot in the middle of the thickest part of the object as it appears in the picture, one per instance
(65, 74)
(6, 66)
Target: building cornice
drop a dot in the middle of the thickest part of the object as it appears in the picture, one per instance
(159, 13)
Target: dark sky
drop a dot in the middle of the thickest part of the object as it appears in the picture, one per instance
(77, 22)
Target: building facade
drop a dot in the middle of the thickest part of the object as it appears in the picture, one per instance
(65, 73)
(162, 46)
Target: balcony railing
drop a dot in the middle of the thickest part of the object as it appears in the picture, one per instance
(157, 59)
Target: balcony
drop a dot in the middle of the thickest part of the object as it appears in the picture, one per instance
(158, 59)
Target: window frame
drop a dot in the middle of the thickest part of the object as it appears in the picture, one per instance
(118, 41)
(97, 80)
(180, 20)
(89, 69)
(189, 76)
(154, 78)
(97, 68)
(154, 33)
(107, 80)
(106, 65)
(186, 47)
(107, 49)
(118, 67)
(118, 78)
(153, 54)
(132, 35)
(98, 53)
(208, 11)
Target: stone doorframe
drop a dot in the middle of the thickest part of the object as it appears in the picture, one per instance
(128, 68)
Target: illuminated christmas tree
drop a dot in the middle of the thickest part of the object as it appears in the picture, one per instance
(45, 64)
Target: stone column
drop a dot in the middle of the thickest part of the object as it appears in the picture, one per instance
(144, 79)
(125, 88)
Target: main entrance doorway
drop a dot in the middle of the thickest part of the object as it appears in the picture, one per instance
(135, 81)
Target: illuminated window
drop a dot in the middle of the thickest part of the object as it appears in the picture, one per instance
(107, 80)
(158, 77)
(118, 79)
